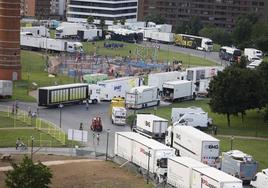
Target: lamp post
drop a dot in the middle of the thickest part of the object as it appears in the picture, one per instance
(32, 139)
(60, 107)
(232, 140)
(148, 167)
(107, 144)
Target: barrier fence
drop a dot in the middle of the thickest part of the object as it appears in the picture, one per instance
(37, 123)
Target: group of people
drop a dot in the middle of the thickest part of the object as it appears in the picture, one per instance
(97, 136)
(20, 144)
(33, 114)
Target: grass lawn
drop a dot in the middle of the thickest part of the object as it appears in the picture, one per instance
(33, 69)
(162, 55)
(253, 124)
(256, 148)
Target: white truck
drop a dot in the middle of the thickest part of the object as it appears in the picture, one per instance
(260, 180)
(191, 142)
(213, 178)
(6, 88)
(178, 90)
(117, 87)
(158, 79)
(93, 93)
(146, 153)
(89, 34)
(151, 126)
(250, 53)
(119, 115)
(38, 31)
(162, 37)
(191, 116)
(142, 97)
(239, 164)
(70, 30)
(43, 43)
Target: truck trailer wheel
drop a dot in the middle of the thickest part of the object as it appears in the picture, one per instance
(95, 101)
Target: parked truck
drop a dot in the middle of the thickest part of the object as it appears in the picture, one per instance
(178, 90)
(191, 142)
(117, 87)
(251, 53)
(239, 164)
(260, 180)
(38, 31)
(89, 34)
(151, 126)
(119, 115)
(146, 153)
(191, 116)
(162, 37)
(213, 178)
(142, 97)
(6, 88)
(158, 79)
(43, 43)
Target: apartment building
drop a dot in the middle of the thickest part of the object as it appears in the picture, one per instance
(221, 13)
(79, 10)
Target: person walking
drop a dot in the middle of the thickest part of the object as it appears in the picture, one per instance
(18, 142)
(81, 126)
(87, 105)
(98, 139)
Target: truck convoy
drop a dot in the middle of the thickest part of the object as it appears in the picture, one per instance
(142, 97)
(191, 116)
(239, 164)
(194, 42)
(43, 43)
(158, 79)
(6, 88)
(117, 87)
(151, 126)
(119, 115)
(178, 90)
(146, 153)
(260, 180)
(191, 142)
(69, 93)
(189, 173)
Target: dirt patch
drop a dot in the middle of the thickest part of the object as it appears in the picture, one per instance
(93, 174)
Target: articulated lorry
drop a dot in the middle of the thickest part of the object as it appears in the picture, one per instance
(184, 172)
(151, 126)
(191, 142)
(146, 153)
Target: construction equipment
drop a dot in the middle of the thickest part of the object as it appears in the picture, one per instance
(96, 124)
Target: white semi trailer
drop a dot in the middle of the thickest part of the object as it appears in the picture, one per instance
(6, 88)
(151, 126)
(117, 87)
(142, 97)
(178, 90)
(146, 153)
(191, 142)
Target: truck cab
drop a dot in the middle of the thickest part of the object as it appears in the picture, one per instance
(260, 180)
(94, 93)
(119, 115)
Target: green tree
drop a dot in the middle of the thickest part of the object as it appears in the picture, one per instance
(28, 175)
(123, 21)
(194, 26)
(218, 35)
(115, 22)
(90, 19)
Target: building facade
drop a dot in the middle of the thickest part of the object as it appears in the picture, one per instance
(79, 10)
(221, 13)
(10, 67)
(27, 8)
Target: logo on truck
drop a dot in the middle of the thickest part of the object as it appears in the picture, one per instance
(145, 152)
(207, 184)
(178, 136)
(117, 88)
(147, 123)
(212, 146)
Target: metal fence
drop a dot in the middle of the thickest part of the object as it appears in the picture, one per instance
(37, 123)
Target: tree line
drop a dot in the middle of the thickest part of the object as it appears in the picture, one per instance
(237, 89)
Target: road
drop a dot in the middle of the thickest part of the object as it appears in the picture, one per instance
(213, 56)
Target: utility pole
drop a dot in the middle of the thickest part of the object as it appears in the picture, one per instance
(107, 144)
(32, 139)
(148, 169)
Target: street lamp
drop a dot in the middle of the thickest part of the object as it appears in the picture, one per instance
(32, 139)
(60, 107)
(108, 131)
(232, 140)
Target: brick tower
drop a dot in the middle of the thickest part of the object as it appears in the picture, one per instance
(10, 68)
